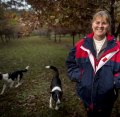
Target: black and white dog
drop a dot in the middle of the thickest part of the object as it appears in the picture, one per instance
(56, 89)
(10, 78)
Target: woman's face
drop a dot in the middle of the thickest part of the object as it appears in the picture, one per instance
(100, 27)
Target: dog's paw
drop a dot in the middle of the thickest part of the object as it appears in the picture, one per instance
(56, 108)
(1, 93)
(18, 85)
(50, 106)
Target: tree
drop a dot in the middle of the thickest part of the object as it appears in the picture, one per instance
(117, 15)
(75, 15)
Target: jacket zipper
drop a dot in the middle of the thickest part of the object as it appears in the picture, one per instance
(92, 89)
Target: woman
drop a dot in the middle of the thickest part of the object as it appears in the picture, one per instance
(94, 64)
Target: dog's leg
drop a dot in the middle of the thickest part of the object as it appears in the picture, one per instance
(57, 104)
(56, 107)
(50, 103)
(19, 83)
(4, 87)
(11, 84)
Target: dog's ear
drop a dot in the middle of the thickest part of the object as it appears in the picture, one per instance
(50, 92)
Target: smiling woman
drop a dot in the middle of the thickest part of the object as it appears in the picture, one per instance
(101, 24)
(94, 64)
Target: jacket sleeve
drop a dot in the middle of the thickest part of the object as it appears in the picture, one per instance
(117, 81)
(73, 70)
(116, 69)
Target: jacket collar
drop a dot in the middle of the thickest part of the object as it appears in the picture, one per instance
(109, 37)
(111, 44)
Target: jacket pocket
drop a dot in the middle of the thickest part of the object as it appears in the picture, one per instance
(109, 64)
(81, 62)
(108, 67)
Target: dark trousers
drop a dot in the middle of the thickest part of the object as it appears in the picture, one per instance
(99, 113)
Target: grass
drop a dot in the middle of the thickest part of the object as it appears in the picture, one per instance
(31, 99)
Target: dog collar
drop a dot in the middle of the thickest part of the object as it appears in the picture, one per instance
(56, 88)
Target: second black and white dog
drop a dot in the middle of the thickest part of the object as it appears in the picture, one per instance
(56, 89)
(10, 78)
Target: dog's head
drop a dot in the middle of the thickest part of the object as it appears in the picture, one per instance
(57, 95)
(27, 67)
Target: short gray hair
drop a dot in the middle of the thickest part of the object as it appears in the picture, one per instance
(102, 13)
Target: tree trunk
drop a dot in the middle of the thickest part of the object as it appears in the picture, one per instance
(118, 30)
(55, 37)
(112, 17)
(73, 40)
(59, 38)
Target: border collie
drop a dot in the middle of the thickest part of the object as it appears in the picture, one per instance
(56, 89)
(10, 78)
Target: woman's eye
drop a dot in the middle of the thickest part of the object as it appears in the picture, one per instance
(104, 23)
(97, 22)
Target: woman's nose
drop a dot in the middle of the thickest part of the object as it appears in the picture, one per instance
(100, 25)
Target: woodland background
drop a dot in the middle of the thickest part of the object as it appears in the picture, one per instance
(39, 33)
(20, 18)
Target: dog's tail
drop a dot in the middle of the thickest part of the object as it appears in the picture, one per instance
(26, 69)
(54, 69)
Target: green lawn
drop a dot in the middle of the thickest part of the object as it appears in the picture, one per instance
(31, 99)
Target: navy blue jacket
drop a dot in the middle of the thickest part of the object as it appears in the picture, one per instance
(97, 81)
